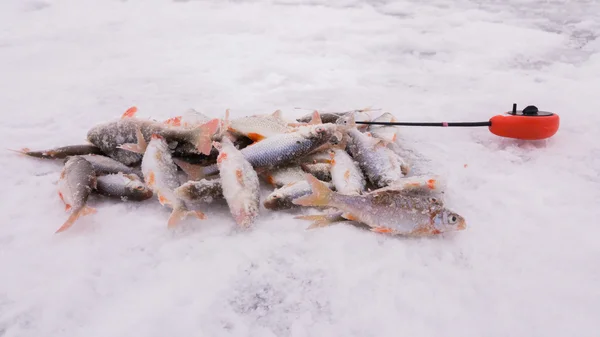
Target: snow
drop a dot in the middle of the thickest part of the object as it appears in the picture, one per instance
(527, 265)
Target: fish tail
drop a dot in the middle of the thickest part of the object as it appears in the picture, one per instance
(202, 136)
(49, 154)
(321, 194)
(181, 213)
(74, 216)
(194, 172)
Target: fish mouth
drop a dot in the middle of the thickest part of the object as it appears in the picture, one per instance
(462, 225)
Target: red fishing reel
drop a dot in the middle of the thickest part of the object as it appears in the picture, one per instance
(527, 124)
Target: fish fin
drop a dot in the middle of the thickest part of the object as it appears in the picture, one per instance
(179, 214)
(256, 137)
(140, 147)
(239, 175)
(349, 216)
(222, 156)
(67, 207)
(194, 172)
(173, 121)
(319, 220)
(203, 136)
(163, 200)
(151, 179)
(383, 230)
(74, 216)
(129, 113)
(347, 175)
(277, 114)
(321, 194)
(315, 118)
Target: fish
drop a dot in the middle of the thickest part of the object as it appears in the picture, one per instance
(381, 165)
(123, 186)
(422, 184)
(388, 133)
(281, 149)
(76, 183)
(189, 119)
(105, 165)
(125, 139)
(284, 175)
(239, 182)
(346, 175)
(62, 152)
(387, 211)
(160, 175)
(259, 127)
(205, 191)
(320, 170)
(333, 117)
(282, 197)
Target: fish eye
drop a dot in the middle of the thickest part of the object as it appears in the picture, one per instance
(434, 200)
(452, 219)
(139, 188)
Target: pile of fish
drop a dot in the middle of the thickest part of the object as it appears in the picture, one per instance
(353, 173)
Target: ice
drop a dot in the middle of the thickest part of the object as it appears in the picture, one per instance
(527, 265)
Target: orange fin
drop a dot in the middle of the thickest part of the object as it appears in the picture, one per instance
(239, 175)
(151, 179)
(256, 137)
(349, 216)
(347, 175)
(194, 172)
(173, 121)
(316, 118)
(140, 147)
(277, 114)
(383, 230)
(129, 113)
(181, 213)
(203, 135)
(67, 207)
(163, 200)
(74, 216)
(319, 220)
(321, 194)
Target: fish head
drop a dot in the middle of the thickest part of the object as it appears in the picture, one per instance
(276, 201)
(136, 189)
(346, 122)
(448, 221)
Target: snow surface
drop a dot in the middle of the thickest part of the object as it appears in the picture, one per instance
(527, 265)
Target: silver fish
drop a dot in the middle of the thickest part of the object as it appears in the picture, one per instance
(259, 127)
(387, 133)
(387, 211)
(77, 180)
(381, 165)
(160, 175)
(125, 139)
(106, 165)
(346, 175)
(239, 182)
(284, 148)
(205, 191)
(123, 186)
(282, 197)
(62, 152)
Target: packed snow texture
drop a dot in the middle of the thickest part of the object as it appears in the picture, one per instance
(527, 265)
